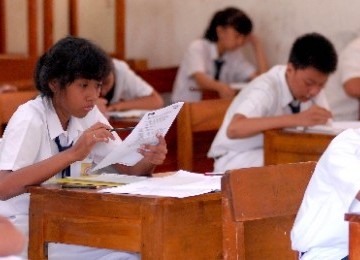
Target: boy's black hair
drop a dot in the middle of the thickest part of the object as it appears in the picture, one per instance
(69, 59)
(313, 50)
(229, 16)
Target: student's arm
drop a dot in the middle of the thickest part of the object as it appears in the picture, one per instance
(12, 241)
(260, 56)
(153, 101)
(15, 183)
(352, 87)
(153, 155)
(207, 83)
(241, 126)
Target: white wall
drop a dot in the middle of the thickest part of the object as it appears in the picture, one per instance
(160, 30)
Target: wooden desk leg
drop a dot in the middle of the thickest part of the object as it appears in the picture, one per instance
(37, 246)
(354, 240)
(152, 232)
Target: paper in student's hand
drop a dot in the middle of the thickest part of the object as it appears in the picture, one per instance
(152, 123)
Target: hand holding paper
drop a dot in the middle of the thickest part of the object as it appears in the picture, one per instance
(152, 123)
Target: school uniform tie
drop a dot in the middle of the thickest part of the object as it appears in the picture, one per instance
(218, 64)
(66, 171)
(295, 106)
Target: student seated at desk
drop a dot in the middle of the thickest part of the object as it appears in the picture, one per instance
(63, 127)
(216, 62)
(320, 231)
(273, 100)
(12, 241)
(124, 90)
(343, 87)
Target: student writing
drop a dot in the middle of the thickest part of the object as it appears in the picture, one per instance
(60, 127)
(285, 96)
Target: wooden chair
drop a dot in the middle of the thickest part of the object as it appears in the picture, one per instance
(197, 125)
(259, 206)
(9, 102)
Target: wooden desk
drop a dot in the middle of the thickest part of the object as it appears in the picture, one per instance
(157, 227)
(170, 163)
(281, 146)
(354, 235)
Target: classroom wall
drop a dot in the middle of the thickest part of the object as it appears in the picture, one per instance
(160, 30)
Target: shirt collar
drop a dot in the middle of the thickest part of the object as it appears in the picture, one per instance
(287, 97)
(54, 125)
(214, 54)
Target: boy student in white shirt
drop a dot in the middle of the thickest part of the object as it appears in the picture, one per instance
(343, 88)
(320, 231)
(216, 62)
(63, 127)
(265, 103)
(124, 90)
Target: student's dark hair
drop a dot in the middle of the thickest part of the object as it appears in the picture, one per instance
(229, 16)
(313, 50)
(69, 59)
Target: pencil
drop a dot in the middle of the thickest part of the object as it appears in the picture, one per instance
(122, 129)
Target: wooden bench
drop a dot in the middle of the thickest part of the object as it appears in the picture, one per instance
(9, 102)
(259, 206)
(197, 125)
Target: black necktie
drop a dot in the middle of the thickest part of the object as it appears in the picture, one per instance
(295, 106)
(66, 171)
(218, 64)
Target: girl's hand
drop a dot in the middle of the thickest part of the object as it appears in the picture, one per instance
(154, 154)
(99, 132)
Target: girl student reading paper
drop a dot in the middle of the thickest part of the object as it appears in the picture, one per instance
(60, 127)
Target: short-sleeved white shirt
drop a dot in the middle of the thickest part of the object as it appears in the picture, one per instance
(29, 138)
(320, 229)
(200, 57)
(344, 107)
(265, 96)
(128, 85)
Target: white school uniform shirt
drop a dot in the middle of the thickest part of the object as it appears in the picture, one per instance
(320, 229)
(200, 57)
(343, 106)
(28, 139)
(265, 96)
(128, 85)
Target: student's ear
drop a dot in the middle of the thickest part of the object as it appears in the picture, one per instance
(53, 84)
(290, 68)
(219, 31)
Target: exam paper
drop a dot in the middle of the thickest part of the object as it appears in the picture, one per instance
(334, 127)
(181, 184)
(138, 113)
(152, 123)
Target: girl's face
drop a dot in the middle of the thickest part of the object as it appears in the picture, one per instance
(305, 83)
(77, 99)
(229, 39)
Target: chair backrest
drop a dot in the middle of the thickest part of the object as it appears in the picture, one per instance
(259, 208)
(10, 101)
(197, 125)
(162, 79)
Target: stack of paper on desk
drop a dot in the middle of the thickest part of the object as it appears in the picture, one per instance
(180, 184)
(335, 127)
(152, 123)
(128, 114)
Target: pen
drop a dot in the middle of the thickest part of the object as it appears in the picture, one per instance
(122, 129)
(213, 173)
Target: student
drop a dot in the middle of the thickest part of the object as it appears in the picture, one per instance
(124, 90)
(265, 103)
(11, 239)
(320, 231)
(343, 87)
(228, 31)
(61, 127)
